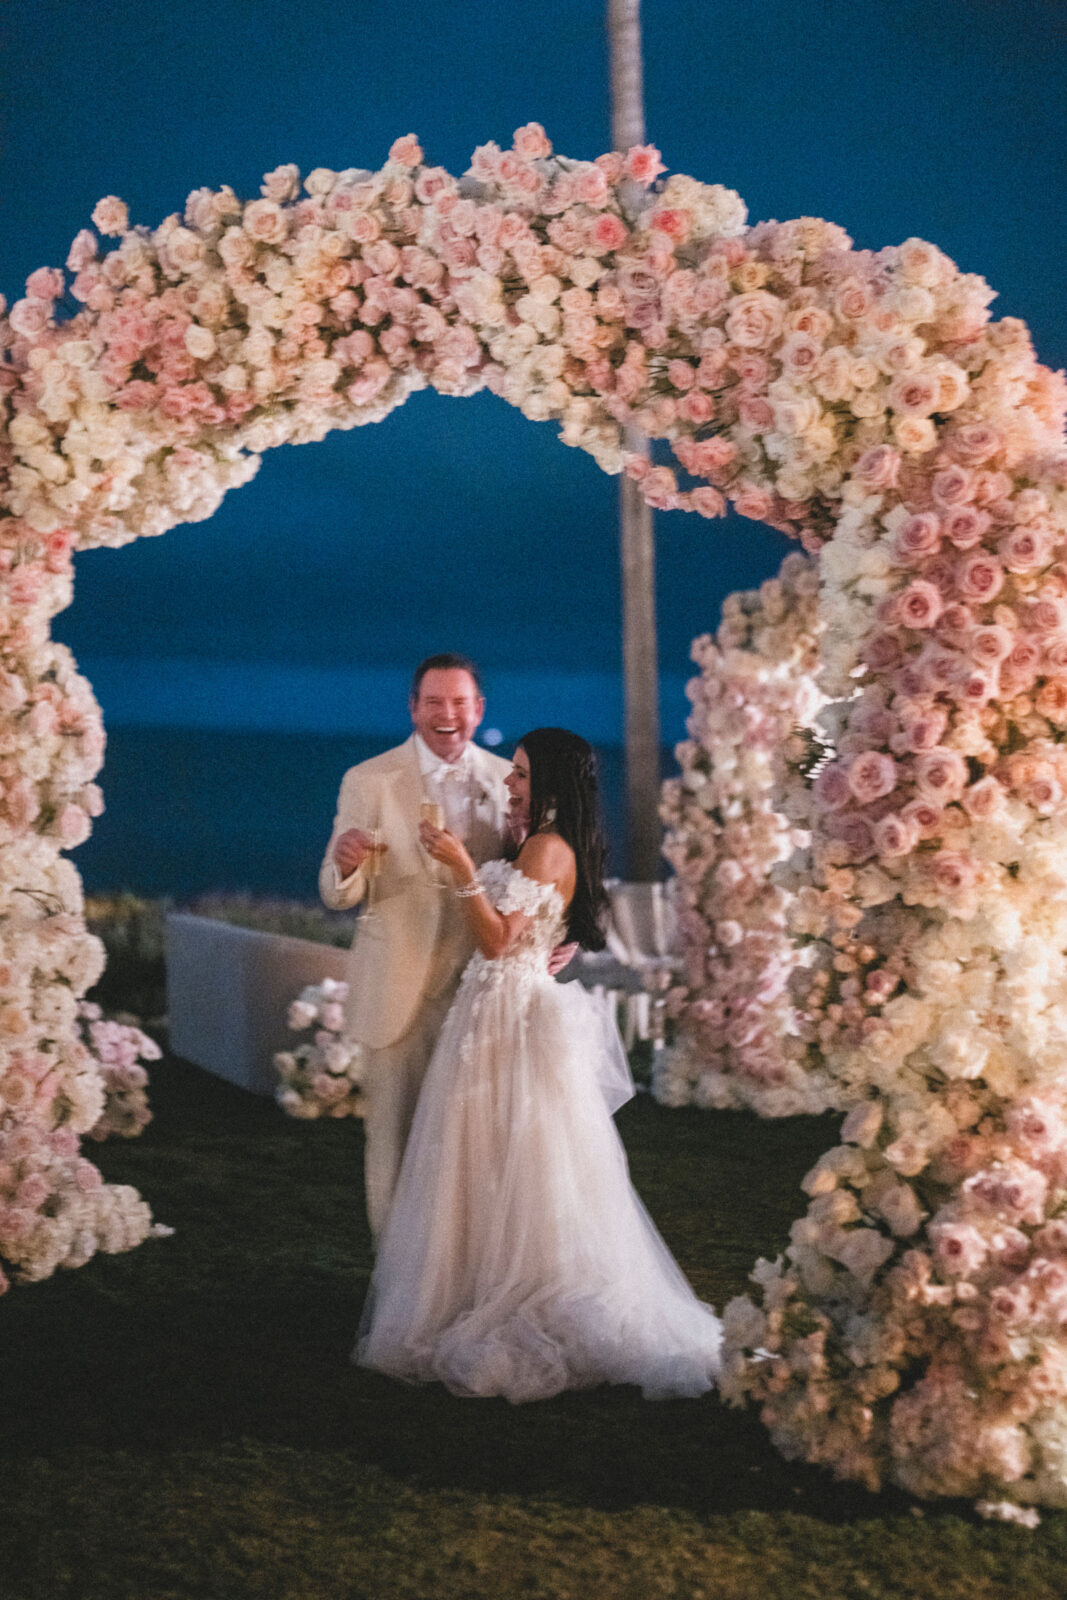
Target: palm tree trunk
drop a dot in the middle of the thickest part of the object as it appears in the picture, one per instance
(637, 548)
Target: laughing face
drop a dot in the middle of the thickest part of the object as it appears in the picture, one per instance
(447, 711)
(517, 784)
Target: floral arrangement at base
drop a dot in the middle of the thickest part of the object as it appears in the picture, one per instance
(118, 1047)
(321, 1077)
(740, 1041)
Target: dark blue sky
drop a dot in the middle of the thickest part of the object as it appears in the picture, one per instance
(459, 523)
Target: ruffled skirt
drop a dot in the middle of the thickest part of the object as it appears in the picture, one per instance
(517, 1259)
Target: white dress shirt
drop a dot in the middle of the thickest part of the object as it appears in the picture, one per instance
(451, 784)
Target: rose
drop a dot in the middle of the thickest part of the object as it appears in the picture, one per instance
(1025, 549)
(642, 164)
(1051, 701)
(940, 774)
(917, 537)
(916, 435)
(974, 442)
(878, 466)
(872, 775)
(990, 644)
(895, 835)
(111, 216)
(965, 526)
(264, 221)
(754, 320)
(979, 576)
(918, 606)
(406, 151)
(913, 394)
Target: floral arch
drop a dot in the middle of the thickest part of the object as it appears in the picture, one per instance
(861, 401)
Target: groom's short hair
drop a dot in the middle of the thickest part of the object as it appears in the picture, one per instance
(446, 661)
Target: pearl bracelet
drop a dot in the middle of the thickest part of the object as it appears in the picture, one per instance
(469, 893)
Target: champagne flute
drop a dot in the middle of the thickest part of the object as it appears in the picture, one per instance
(372, 866)
(433, 812)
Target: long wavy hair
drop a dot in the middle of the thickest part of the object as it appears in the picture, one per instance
(564, 797)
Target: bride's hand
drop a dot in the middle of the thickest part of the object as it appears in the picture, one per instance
(444, 847)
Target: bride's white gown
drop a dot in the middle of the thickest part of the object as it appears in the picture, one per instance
(517, 1259)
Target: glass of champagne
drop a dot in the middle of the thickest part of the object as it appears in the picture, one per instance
(433, 812)
(372, 866)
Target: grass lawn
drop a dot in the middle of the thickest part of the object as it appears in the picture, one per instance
(183, 1421)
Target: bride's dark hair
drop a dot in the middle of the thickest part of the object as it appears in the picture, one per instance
(564, 798)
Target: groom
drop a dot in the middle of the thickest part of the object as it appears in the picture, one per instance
(408, 954)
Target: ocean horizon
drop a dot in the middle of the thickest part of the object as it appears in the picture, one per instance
(223, 777)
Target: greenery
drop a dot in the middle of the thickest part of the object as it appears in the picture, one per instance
(183, 1423)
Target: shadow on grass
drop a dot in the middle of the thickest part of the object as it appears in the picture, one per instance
(240, 1327)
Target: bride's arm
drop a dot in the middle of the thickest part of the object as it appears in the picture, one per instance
(543, 858)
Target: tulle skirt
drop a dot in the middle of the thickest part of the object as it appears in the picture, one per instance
(516, 1258)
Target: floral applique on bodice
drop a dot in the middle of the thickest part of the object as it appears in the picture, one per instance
(509, 889)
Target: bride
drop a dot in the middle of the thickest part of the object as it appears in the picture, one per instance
(516, 1257)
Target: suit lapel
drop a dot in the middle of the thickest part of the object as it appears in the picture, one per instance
(406, 786)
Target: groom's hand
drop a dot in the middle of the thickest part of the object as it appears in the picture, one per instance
(561, 957)
(352, 849)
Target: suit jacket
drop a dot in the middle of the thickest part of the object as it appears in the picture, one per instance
(417, 940)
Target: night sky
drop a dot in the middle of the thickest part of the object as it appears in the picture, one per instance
(459, 523)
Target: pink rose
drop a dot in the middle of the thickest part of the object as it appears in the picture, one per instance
(990, 644)
(952, 486)
(111, 216)
(1051, 701)
(918, 537)
(872, 775)
(29, 318)
(1025, 549)
(265, 222)
(1047, 614)
(756, 413)
(855, 831)
(919, 605)
(878, 467)
(926, 816)
(642, 164)
(673, 221)
(696, 407)
(953, 871)
(922, 729)
(853, 299)
(881, 651)
(406, 151)
(754, 320)
(914, 394)
(979, 576)
(799, 355)
(959, 1248)
(974, 442)
(590, 186)
(964, 526)
(531, 143)
(756, 504)
(45, 284)
(831, 789)
(707, 502)
(895, 835)
(978, 688)
(983, 799)
(940, 774)
(82, 250)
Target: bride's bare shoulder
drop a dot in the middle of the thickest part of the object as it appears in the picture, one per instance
(546, 857)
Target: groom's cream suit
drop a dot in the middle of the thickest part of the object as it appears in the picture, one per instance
(407, 957)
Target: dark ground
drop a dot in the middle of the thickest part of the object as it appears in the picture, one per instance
(183, 1422)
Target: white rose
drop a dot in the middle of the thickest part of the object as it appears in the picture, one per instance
(200, 342)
